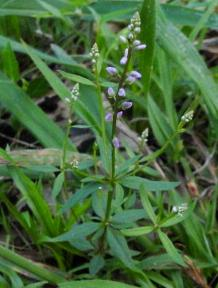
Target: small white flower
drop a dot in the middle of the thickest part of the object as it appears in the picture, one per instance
(94, 54)
(130, 36)
(137, 29)
(180, 209)
(74, 163)
(187, 117)
(75, 92)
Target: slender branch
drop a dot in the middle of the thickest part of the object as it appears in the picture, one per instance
(113, 152)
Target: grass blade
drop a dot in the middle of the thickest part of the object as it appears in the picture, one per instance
(30, 266)
(148, 19)
(32, 117)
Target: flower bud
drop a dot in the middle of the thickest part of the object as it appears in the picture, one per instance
(131, 79)
(136, 42)
(111, 70)
(122, 92)
(108, 117)
(187, 117)
(126, 105)
(116, 142)
(75, 92)
(123, 39)
(119, 114)
(123, 60)
(110, 92)
(141, 47)
(137, 30)
(136, 74)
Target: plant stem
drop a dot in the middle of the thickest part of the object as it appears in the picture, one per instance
(63, 164)
(30, 266)
(113, 152)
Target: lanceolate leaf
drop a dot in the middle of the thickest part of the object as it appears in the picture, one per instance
(31, 116)
(148, 18)
(135, 182)
(119, 247)
(95, 284)
(170, 248)
(181, 50)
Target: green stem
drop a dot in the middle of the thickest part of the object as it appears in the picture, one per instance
(63, 164)
(30, 266)
(113, 152)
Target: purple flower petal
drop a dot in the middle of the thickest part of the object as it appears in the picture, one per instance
(126, 105)
(116, 142)
(110, 92)
(141, 47)
(119, 114)
(111, 70)
(123, 60)
(109, 117)
(136, 74)
(131, 79)
(122, 92)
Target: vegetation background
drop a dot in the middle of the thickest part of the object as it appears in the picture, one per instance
(51, 209)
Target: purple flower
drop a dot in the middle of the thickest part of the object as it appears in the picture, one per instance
(119, 114)
(126, 105)
(125, 57)
(123, 60)
(131, 79)
(110, 92)
(122, 92)
(108, 117)
(141, 47)
(111, 70)
(116, 142)
(136, 74)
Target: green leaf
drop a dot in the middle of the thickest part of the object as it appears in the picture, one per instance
(17, 47)
(35, 200)
(147, 36)
(128, 216)
(58, 184)
(135, 182)
(9, 63)
(159, 262)
(28, 265)
(181, 50)
(78, 231)
(147, 204)
(179, 15)
(77, 78)
(96, 263)
(170, 248)
(94, 284)
(138, 231)
(119, 247)
(79, 196)
(31, 116)
(158, 121)
(159, 279)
